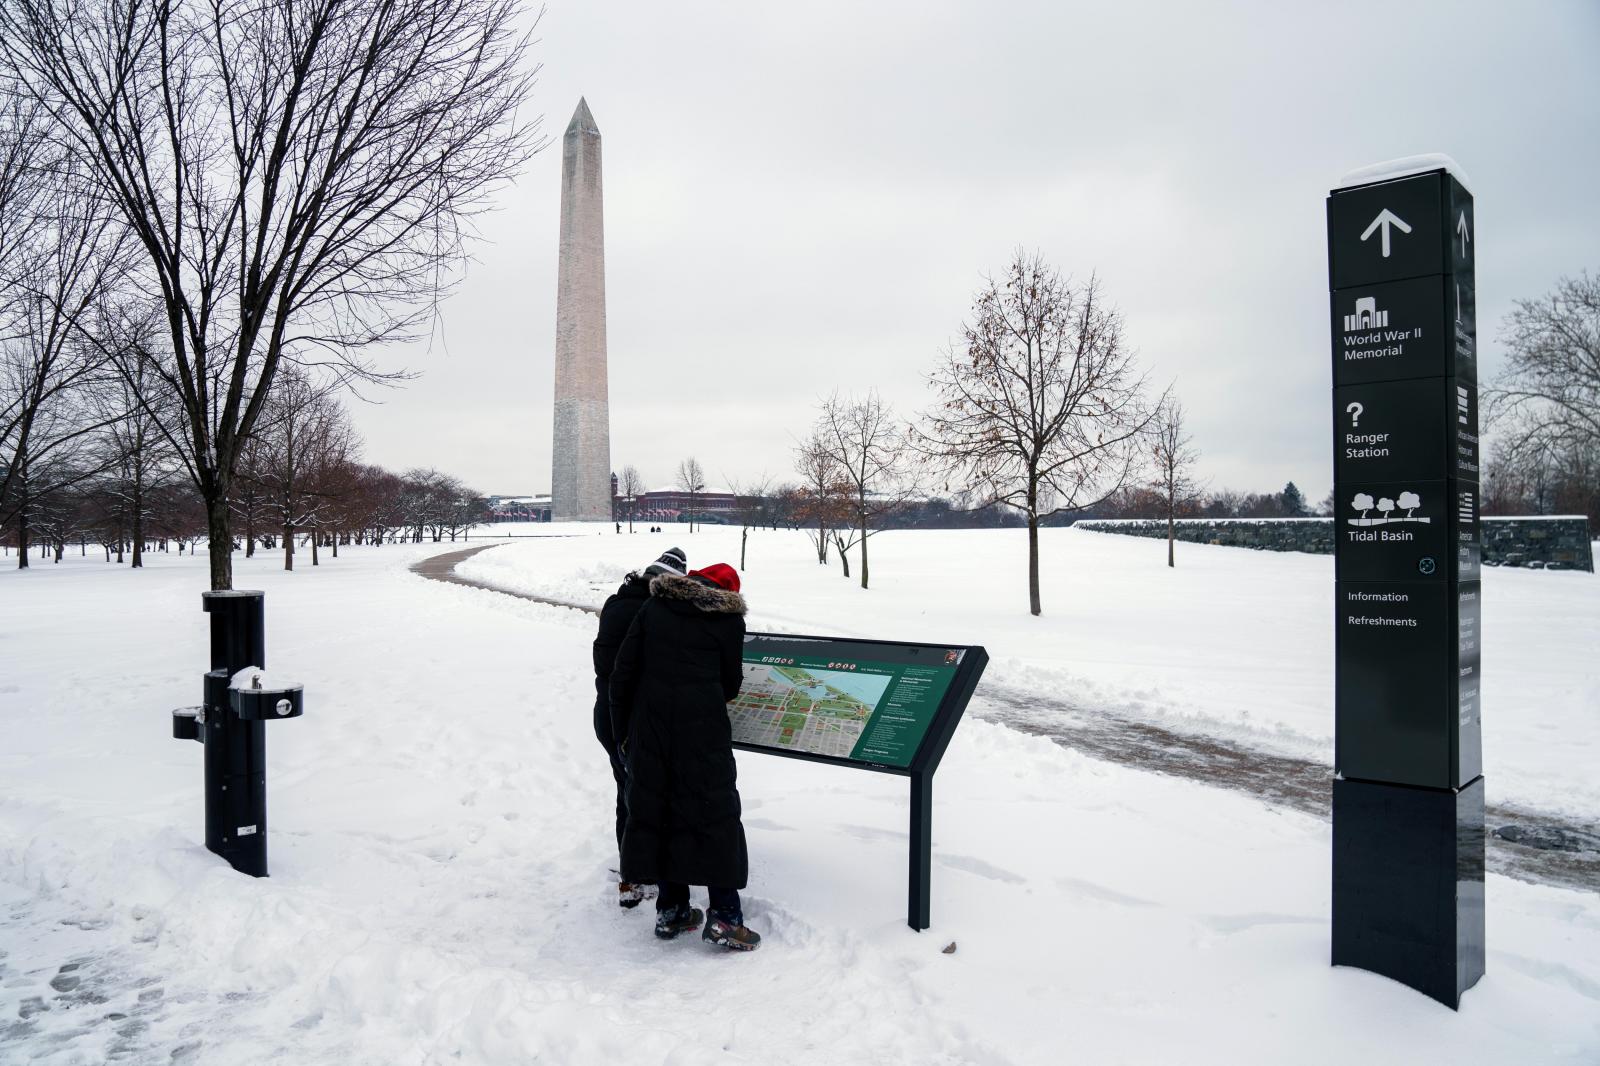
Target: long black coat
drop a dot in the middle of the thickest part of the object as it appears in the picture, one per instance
(615, 618)
(677, 669)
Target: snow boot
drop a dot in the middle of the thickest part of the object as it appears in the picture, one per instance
(674, 920)
(630, 895)
(734, 935)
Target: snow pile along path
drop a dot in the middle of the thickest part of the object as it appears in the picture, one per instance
(440, 844)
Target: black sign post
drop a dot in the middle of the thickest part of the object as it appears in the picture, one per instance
(869, 704)
(1408, 838)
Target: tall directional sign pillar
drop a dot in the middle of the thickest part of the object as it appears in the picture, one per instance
(1408, 840)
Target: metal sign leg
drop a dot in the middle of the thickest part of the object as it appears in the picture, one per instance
(921, 851)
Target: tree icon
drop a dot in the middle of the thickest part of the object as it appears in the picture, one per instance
(1363, 503)
(1410, 501)
(1385, 505)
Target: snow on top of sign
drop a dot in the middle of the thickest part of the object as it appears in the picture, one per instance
(1404, 167)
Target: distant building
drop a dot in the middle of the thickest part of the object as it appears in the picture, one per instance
(670, 503)
(519, 508)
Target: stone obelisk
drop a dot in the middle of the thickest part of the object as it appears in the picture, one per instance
(580, 484)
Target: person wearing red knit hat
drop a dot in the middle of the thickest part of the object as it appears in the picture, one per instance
(719, 574)
(679, 665)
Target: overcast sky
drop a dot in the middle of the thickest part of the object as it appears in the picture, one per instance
(805, 201)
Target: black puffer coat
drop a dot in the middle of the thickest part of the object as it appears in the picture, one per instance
(677, 669)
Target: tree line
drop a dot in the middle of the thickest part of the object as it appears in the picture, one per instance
(300, 484)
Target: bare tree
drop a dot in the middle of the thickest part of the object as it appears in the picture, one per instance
(248, 493)
(868, 445)
(305, 431)
(1173, 455)
(63, 266)
(1041, 409)
(1549, 392)
(299, 174)
(139, 437)
(631, 486)
(1545, 406)
(751, 499)
(819, 497)
(692, 479)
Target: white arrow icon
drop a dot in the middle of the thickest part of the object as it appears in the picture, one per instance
(1466, 235)
(1385, 219)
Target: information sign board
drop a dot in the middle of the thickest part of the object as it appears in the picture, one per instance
(1407, 552)
(879, 705)
(872, 703)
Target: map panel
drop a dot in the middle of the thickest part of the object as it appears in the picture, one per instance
(819, 711)
(838, 702)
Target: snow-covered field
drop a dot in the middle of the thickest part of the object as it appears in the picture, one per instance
(440, 833)
(1230, 642)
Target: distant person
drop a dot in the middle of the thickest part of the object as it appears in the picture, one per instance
(680, 664)
(615, 617)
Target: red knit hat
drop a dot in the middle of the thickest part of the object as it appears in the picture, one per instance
(720, 574)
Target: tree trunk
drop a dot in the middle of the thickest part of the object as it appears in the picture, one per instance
(22, 517)
(1171, 535)
(249, 525)
(336, 544)
(1033, 564)
(138, 524)
(288, 546)
(744, 535)
(316, 535)
(22, 538)
(863, 545)
(219, 531)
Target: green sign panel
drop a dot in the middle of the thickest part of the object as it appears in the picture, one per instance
(861, 702)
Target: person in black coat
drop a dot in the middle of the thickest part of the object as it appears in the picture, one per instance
(615, 618)
(679, 665)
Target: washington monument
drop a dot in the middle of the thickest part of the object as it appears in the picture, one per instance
(580, 481)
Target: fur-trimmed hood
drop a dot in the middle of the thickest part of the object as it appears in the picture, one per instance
(696, 593)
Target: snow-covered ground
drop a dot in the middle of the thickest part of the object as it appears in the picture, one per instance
(1230, 642)
(440, 841)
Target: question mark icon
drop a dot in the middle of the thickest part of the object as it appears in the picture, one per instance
(1355, 410)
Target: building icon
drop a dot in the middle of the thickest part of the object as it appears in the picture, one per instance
(1367, 316)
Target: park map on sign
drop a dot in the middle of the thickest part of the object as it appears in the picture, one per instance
(805, 708)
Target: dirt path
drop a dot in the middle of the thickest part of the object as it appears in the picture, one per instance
(1526, 844)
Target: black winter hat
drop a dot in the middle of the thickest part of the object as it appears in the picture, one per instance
(672, 561)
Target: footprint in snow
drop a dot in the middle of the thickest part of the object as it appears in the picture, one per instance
(971, 865)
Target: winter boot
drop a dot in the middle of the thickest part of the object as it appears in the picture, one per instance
(727, 933)
(674, 920)
(630, 895)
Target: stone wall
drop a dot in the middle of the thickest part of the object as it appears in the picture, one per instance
(1562, 541)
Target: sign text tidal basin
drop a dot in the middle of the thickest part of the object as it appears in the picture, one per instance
(1408, 786)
